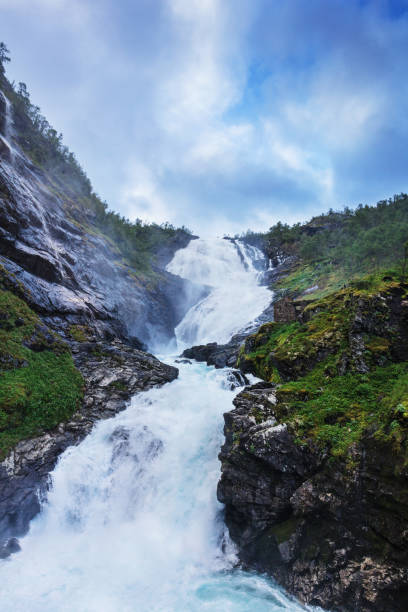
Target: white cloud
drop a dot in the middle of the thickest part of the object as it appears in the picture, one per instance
(220, 146)
(73, 12)
(140, 197)
(212, 112)
(196, 85)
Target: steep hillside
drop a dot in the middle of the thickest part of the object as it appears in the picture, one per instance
(77, 258)
(333, 249)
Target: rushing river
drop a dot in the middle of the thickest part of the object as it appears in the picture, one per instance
(132, 523)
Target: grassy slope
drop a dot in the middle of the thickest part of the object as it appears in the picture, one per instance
(357, 259)
(337, 247)
(321, 389)
(39, 384)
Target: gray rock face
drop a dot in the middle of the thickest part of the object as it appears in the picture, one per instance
(218, 355)
(52, 246)
(3, 108)
(334, 534)
(113, 373)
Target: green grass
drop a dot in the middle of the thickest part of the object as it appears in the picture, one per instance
(331, 278)
(278, 347)
(342, 245)
(338, 410)
(37, 397)
(79, 333)
(38, 389)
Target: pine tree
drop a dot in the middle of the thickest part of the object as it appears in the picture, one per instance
(3, 56)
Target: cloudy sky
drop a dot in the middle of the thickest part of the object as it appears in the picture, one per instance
(222, 115)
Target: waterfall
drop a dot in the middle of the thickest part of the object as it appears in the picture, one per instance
(6, 149)
(132, 522)
(235, 298)
(7, 122)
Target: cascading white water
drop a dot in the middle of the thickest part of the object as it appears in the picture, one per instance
(132, 523)
(7, 126)
(6, 149)
(235, 296)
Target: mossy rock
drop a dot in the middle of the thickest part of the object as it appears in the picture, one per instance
(337, 383)
(80, 333)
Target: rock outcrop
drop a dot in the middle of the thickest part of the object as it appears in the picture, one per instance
(218, 355)
(226, 355)
(51, 240)
(75, 275)
(332, 533)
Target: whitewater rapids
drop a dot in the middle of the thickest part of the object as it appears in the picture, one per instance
(132, 522)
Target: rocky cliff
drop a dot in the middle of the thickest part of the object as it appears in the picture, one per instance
(314, 465)
(50, 240)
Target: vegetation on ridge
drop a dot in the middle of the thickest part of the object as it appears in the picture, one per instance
(340, 361)
(334, 248)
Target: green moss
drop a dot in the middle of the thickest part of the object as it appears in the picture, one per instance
(9, 281)
(119, 385)
(258, 414)
(38, 389)
(331, 278)
(337, 411)
(280, 347)
(376, 344)
(236, 437)
(269, 338)
(80, 333)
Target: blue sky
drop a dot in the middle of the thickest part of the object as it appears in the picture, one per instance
(222, 115)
